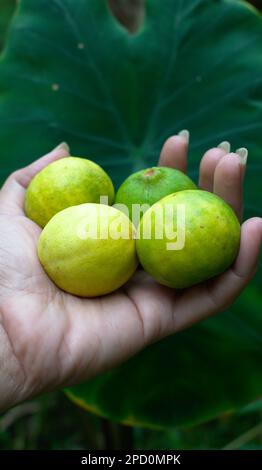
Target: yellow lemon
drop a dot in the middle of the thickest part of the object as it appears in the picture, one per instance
(188, 237)
(64, 183)
(88, 250)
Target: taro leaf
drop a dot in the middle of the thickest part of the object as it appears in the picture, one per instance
(71, 72)
(188, 378)
(7, 8)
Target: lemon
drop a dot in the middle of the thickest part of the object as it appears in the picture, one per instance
(188, 237)
(88, 250)
(148, 186)
(64, 183)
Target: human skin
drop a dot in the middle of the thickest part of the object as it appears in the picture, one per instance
(50, 339)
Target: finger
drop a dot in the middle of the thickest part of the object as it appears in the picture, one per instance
(174, 152)
(229, 285)
(24, 176)
(228, 180)
(203, 301)
(208, 165)
(243, 153)
(13, 191)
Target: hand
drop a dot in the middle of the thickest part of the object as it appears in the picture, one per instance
(50, 339)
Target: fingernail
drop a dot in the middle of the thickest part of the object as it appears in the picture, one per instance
(243, 154)
(63, 146)
(225, 146)
(185, 134)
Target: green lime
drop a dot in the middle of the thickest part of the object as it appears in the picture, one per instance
(148, 186)
(64, 183)
(88, 250)
(188, 237)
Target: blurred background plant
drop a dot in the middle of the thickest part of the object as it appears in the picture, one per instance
(53, 422)
(228, 376)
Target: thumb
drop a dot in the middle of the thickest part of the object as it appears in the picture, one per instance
(13, 191)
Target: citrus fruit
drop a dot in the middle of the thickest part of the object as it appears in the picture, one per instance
(149, 186)
(188, 237)
(64, 183)
(88, 250)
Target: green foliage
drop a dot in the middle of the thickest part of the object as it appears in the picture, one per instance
(7, 8)
(190, 377)
(52, 422)
(71, 72)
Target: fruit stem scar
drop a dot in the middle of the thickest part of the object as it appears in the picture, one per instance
(149, 172)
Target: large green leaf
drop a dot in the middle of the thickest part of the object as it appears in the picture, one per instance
(188, 378)
(71, 72)
(7, 8)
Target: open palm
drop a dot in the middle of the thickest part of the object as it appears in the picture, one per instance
(50, 339)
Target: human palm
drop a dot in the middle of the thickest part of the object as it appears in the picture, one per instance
(50, 339)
